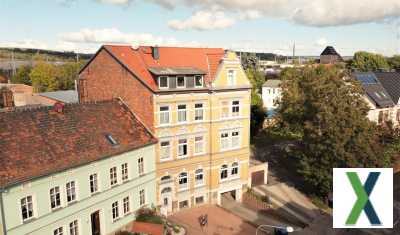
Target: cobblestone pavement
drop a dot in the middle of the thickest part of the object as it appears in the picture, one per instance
(220, 222)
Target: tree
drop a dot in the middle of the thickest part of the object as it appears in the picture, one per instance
(44, 77)
(365, 61)
(329, 114)
(22, 75)
(249, 61)
(394, 62)
(67, 75)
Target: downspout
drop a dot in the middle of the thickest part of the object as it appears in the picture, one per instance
(3, 221)
(210, 147)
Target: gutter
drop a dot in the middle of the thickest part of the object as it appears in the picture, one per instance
(3, 220)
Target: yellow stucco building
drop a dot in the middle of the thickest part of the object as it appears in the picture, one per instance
(197, 103)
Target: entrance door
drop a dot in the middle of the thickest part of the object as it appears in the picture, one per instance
(95, 220)
(166, 204)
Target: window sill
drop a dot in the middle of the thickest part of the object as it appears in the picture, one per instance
(166, 160)
(116, 220)
(26, 221)
(128, 213)
(199, 185)
(94, 193)
(72, 202)
(182, 157)
(183, 190)
(56, 209)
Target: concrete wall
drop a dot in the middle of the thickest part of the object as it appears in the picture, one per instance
(46, 220)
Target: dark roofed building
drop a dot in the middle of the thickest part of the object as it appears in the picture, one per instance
(42, 141)
(330, 56)
(391, 82)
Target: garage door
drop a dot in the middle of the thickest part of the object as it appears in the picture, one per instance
(257, 178)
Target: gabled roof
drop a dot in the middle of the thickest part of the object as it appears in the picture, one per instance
(272, 83)
(140, 61)
(39, 142)
(391, 82)
(374, 89)
(330, 50)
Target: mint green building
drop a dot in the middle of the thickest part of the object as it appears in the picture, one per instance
(75, 169)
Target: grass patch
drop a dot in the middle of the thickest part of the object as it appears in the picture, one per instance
(154, 219)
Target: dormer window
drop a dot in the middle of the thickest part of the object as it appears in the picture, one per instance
(231, 77)
(198, 81)
(163, 82)
(180, 82)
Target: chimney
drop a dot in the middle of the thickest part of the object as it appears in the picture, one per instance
(6, 98)
(58, 107)
(155, 53)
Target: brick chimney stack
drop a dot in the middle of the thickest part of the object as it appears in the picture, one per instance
(6, 98)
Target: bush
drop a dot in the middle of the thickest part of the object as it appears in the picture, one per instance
(148, 215)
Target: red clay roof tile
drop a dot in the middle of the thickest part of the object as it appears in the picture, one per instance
(41, 141)
(140, 60)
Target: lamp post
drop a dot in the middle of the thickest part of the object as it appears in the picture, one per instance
(287, 229)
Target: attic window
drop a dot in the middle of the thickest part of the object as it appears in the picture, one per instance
(111, 139)
(198, 81)
(163, 82)
(180, 82)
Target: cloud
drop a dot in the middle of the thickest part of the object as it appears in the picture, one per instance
(321, 42)
(114, 36)
(27, 44)
(319, 13)
(203, 20)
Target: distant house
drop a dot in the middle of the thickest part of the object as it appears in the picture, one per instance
(23, 96)
(330, 56)
(66, 97)
(382, 92)
(74, 169)
(271, 93)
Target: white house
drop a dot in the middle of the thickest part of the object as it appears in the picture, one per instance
(271, 93)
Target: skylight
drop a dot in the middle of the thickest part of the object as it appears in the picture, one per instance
(111, 139)
(366, 78)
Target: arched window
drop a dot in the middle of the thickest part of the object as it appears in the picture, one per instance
(235, 169)
(199, 177)
(166, 190)
(165, 179)
(224, 171)
(183, 181)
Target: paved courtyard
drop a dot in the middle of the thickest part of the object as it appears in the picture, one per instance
(220, 222)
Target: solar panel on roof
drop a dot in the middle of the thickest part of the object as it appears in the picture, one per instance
(367, 78)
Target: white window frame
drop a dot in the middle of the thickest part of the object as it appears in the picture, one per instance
(237, 166)
(73, 226)
(227, 139)
(27, 204)
(198, 111)
(201, 79)
(115, 211)
(94, 182)
(183, 186)
(53, 197)
(164, 115)
(140, 162)
(234, 107)
(197, 142)
(225, 115)
(71, 189)
(182, 112)
(113, 176)
(58, 231)
(169, 150)
(182, 145)
(184, 82)
(159, 82)
(199, 172)
(126, 205)
(142, 197)
(231, 80)
(224, 167)
(124, 172)
(235, 138)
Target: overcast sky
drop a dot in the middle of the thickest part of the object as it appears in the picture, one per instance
(252, 25)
